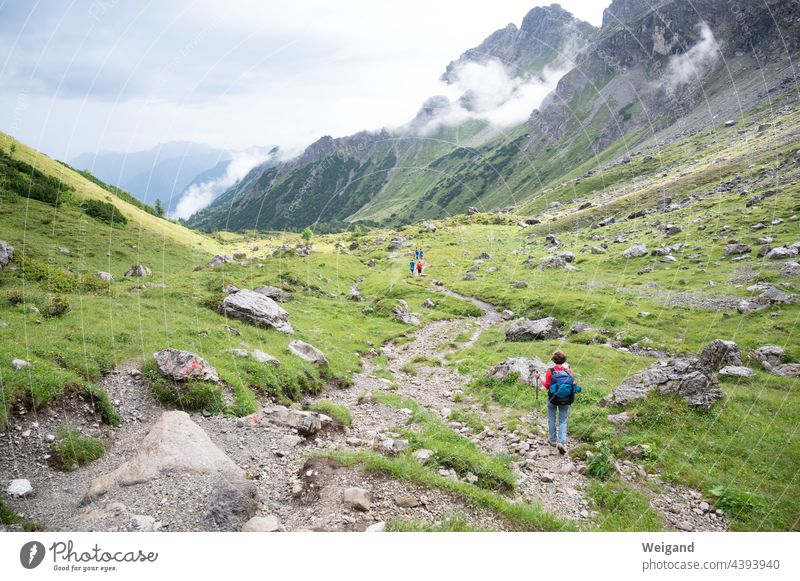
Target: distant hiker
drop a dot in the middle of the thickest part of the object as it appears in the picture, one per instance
(561, 389)
(421, 254)
(419, 268)
(412, 266)
(417, 254)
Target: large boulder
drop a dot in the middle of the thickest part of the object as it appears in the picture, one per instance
(737, 249)
(524, 366)
(401, 313)
(308, 352)
(635, 251)
(547, 328)
(720, 353)
(137, 270)
(274, 293)
(174, 445)
(396, 242)
(685, 377)
(184, 365)
(6, 253)
(769, 296)
(257, 309)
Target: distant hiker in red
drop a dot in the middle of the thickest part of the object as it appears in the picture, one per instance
(419, 268)
(561, 389)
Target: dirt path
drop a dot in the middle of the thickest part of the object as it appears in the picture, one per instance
(272, 455)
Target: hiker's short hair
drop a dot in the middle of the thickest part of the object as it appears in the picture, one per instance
(559, 358)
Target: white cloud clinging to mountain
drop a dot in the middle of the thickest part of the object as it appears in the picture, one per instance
(695, 62)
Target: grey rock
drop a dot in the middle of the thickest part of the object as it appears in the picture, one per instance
(526, 369)
(619, 419)
(507, 315)
(547, 477)
(357, 499)
(6, 253)
(184, 365)
(231, 504)
(262, 357)
(262, 524)
(635, 251)
(106, 276)
(401, 313)
(175, 444)
(378, 527)
(422, 455)
(239, 352)
(428, 304)
(555, 262)
(737, 249)
(736, 371)
(306, 423)
(19, 488)
(471, 211)
(256, 309)
(720, 353)
(407, 501)
(219, 260)
(396, 242)
(308, 352)
(137, 270)
(791, 269)
(391, 446)
(19, 364)
(526, 330)
(274, 293)
(239, 255)
(685, 377)
(780, 253)
(598, 250)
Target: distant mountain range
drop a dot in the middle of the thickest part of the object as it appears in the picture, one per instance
(531, 107)
(164, 172)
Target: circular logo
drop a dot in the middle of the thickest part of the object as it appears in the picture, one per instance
(31, 554)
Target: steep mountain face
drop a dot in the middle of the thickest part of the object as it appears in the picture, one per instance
(652, 72)
(547, 35)
(382, 177)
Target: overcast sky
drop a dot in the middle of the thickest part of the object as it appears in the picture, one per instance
(122, 75)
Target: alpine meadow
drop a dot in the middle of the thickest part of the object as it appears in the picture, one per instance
(562, 297)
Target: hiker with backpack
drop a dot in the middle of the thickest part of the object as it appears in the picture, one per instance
(419, 268)
(561, 389)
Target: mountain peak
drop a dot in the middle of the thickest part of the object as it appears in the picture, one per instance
(621, 11)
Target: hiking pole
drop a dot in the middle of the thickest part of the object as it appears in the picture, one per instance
(536, 387)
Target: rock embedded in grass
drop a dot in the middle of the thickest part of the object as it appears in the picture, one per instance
(524, 367)
(274, 293)
(541, 329)
(6, 253)
(635, 251)
(138, 270)
(685, 377)
(256, 309)
(401, 313)
(721, 353)
(308, 352)
(106, 276)
(219, 260)
(262, 357)
(184, 365)
(19, 364)
(736, 371)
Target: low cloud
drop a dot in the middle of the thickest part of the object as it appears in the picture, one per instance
(487, 91)
(198, 196)
(695, 62)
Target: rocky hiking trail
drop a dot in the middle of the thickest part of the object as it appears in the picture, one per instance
(268, 471)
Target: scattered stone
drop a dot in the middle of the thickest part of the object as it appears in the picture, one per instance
(720, 353)
(308, 352)
(555, 262)
(523, 366)
(407, 501)
(736, 371)
(137, 270)
(262, 357)
(396, 242)
(378, 527)
(256, 309)
(526, 330)
(262, 524)
(791, 269)
(290, 440)
(636, 451)
(737, 249)
(771, 357)
(19, 364)
(401, 313)
(568, 468)
(507, 315)
(184, 365)
(428, 304)
(598, 250)
(391, 446)
(547, 477)
(780, 253)
(19, 488)
(357, 499)
(685, 525)
(106, 276)
(685, 377)
(635, 251)
(274, 293)
(471, 211)
(306, 423)
(219, 260)
(239, 353)
(422, 455)
(6, 253)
